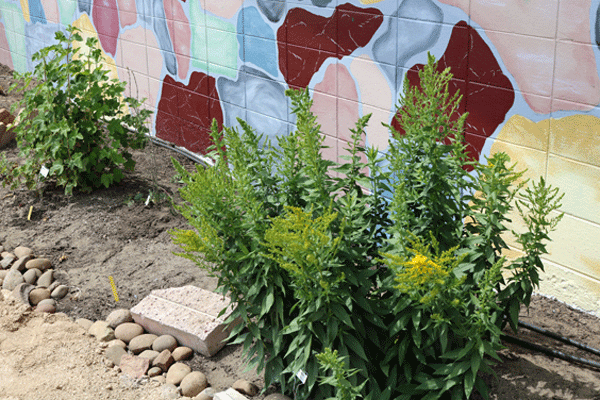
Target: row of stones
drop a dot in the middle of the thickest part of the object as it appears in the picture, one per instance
(139, 355)
(30, 279)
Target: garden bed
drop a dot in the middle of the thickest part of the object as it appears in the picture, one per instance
(111, 232)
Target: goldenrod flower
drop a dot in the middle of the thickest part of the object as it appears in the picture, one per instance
(420, 272)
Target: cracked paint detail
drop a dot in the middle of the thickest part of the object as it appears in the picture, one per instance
(311, 39)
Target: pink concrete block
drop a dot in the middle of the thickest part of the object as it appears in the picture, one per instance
(187, 313)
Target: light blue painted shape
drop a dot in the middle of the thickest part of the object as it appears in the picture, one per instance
(38, 36)
(414, 28)
(162, 35)
(260, 47)
(264, 98)
(36, 12)
(419, 28)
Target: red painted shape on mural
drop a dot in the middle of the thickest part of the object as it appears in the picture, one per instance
(106, 20)
(488, 94)
(306, 40)
(5, 55)
(185, 112)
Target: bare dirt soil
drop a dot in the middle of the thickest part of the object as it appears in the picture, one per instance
(111, 232)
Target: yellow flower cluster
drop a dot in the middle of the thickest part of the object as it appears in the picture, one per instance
(419, 273)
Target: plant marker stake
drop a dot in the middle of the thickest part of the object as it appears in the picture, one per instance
(29, 215)
(114, 288)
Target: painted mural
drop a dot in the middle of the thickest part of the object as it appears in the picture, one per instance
(527, 69)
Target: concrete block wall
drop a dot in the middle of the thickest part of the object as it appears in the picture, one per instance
(528, 70)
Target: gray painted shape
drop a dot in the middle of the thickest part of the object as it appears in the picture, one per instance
(162, 35)
(419, 28)
(416, 27)
(85, 6)
(265, 100)
(598, 27)
(272, 9)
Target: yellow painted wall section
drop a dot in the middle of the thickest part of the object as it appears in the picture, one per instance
(565, 152)
(25, 8)
(88, 30)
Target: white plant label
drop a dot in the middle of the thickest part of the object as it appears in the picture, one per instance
(148, 199)
(44, 171)
(302, 376)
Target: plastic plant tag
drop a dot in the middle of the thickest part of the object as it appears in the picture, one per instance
(44, 171)
(302, 376)
(148, 199)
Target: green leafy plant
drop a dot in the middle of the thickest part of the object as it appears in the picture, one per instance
(408, 289)
(74, 121)
(330, 360)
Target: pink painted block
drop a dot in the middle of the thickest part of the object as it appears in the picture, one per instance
(187, 313)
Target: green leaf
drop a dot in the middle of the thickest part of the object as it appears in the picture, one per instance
(469, 382)
(355, 345)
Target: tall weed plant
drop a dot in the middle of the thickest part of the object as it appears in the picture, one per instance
(346, 292)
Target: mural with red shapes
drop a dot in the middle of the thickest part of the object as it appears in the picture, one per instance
(185, 112)
(306, 40)
(487, 94)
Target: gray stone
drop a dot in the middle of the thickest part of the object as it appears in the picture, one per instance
(154, 371)
(117, 342)
(245, 387)
(164, 360)
(46, 279)
(40, 263)
(47, 308)
(51, 302)
(177, 372)
(38, 294)
(22, 291)
(206, 394)
(118, 317)
(193, 384)
(22, 251)
(102, 331)
(84, 323)
(170, 391)
(6, 262)
(277, 396)
(20, 263)
(134, 366)
(149, 354)
(30, 276)
(114, 353)
(54, 285)
(164, 342)
(141, 343)
(159, 378)
(12, 279)
(182, 353)
(128, 331)
(60, 292)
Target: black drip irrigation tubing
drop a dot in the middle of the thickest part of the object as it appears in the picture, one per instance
(551, 352)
